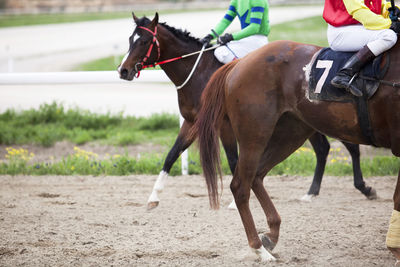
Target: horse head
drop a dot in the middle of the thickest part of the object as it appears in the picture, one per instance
(143, 48)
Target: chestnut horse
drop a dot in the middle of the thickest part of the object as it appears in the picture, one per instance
(174, 43)
(263, 96)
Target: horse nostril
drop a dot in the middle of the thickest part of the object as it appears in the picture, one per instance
(124, 73)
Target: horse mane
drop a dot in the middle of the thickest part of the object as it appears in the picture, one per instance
(183, 35)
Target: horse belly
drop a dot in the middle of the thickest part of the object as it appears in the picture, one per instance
(338, 120)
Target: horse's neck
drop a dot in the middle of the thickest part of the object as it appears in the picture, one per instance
(179, 70)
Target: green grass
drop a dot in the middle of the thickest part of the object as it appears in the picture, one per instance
(40, 19)
(302, 162)
(52, 123)
(310, 31)
(108, 63)
(104, 64)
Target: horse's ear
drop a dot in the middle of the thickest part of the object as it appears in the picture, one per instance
(134, 17)
(154, 22)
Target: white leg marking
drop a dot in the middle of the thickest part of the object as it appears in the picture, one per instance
(232, 206)
(307, 198)
(158, 187)
(263, 254)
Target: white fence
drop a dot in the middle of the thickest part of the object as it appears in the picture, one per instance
(81, 77)
(153, 76)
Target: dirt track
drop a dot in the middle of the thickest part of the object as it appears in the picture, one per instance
(102, 221)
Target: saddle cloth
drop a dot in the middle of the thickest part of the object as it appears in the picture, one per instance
(329, 62)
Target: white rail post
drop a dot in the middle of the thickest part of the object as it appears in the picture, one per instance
(184, 155)
(10, 60)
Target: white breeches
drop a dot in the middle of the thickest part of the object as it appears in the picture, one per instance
(352, 38)
(240, 48)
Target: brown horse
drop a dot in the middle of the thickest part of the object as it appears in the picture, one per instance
(263, 96)
(172, 43)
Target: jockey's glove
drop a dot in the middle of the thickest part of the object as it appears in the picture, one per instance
(395, 26)
(226, 38)
(206, 40)
(394, 12)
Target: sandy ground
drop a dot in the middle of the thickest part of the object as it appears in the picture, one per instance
(103, 221)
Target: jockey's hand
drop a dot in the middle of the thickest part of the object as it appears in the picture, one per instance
(394, 12)
(226, 38)
(395, 26)
(206, 40)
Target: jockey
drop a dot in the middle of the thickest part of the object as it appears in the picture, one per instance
(363, 26)
(253, 16)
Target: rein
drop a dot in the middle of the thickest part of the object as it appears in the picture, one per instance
(141, 65)
(392, 84)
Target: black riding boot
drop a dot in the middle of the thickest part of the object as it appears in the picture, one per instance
(344, 77)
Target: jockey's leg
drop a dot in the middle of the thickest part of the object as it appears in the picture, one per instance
(238, 49)
(368, 43)
(344, 77)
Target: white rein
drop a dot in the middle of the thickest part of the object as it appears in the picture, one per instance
(195, 64)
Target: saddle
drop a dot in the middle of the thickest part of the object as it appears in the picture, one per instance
(324, 66)
(328, 62)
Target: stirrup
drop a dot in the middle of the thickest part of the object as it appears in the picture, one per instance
(353, 90)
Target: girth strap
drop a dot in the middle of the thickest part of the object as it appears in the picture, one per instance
(364, 118)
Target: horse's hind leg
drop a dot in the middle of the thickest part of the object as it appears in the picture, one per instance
(240, 186)
(182, 142)
(230, 146)
(359, 183)
(254, 136)
(289, 134)
(321, 148)
(229, 143)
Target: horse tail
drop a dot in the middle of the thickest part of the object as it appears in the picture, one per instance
(207, 125)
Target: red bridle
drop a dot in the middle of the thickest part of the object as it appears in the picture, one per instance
(141, 65)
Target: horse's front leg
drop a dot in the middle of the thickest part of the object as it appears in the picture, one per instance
(182, 142)
(393, 235)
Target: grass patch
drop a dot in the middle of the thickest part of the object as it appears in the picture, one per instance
(82, 162)
(40, 19)
(309, 30)
(52, 123)
(102, 64)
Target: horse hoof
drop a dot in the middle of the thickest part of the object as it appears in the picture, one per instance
(152, 205)
(263, 254)
(267, 242)
(372, 194)
(307, 198)
(397, 264)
